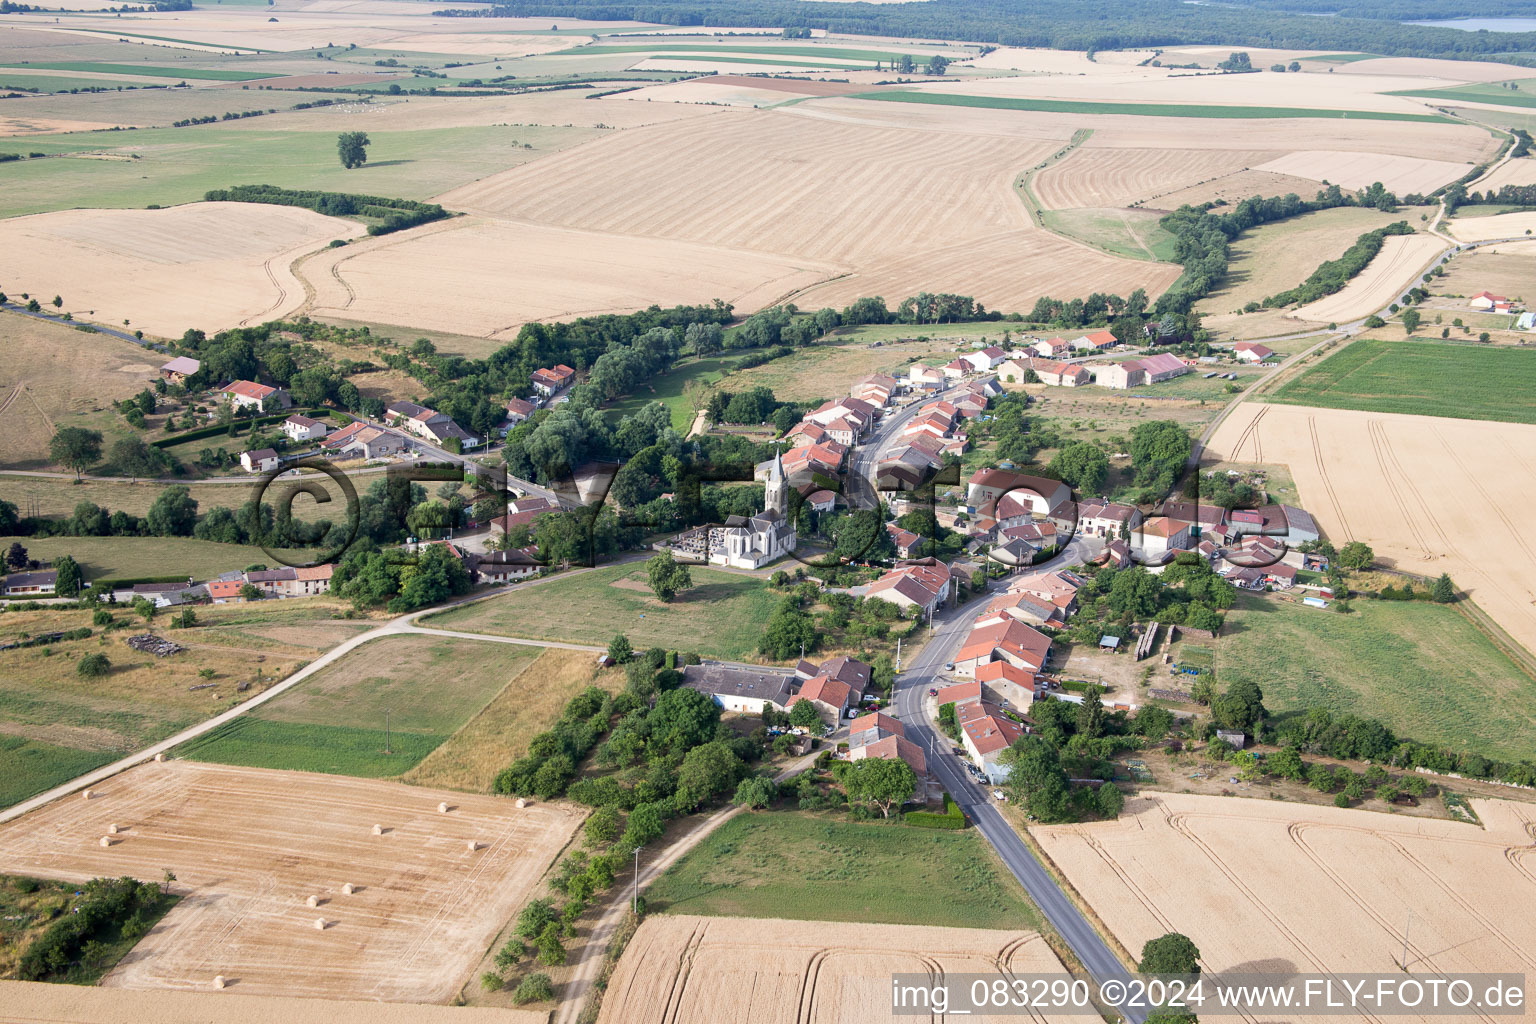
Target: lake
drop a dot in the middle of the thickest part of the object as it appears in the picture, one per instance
(1483, 24)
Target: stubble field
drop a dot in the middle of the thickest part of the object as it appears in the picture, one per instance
(1428, 494)
(1271, 886)
(692, 970)
(250, 846)
(1380, 283)
(206, 265)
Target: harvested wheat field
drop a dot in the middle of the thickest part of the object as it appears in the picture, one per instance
(1510, 172)
(1395, 268)
(522, 271)
(720, 970)
(1508, 268)
(80, 1004)
(1119, 177)
(250, 846)
(1400, 174)
(1278, 887)
(206, 265)
(1429, 494)
(1503, 225)
(52, 374)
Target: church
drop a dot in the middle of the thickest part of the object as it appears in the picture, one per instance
(751, 543)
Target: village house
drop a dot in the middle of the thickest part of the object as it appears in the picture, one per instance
(880, 736)
(806, 432)
(301, 428)
(259, 461)
(273, 582)
(548, 381)
(359, 440)
(1003, 638)
(1487, 302)
(1158, 537)
(1101, 518)
(818, 499)
(1203, 520)
(984, 359)
(1062, 375)
(1098, 341)
(310, 580)
(837, 685)
(179, 369)
(38, 583)
(1052, 348)
(226, 591)
(1014, 687)
(247, 394)
(740, 689)
(521, 512)
(504, 566)
(1120, 376)
(1042, 494)
(907, 543)
(921, 373)
(918, 586)
(518, 410)
(986, 733)
(956, 369)
(876, 389)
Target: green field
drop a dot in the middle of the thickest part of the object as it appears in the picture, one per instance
(1144, 109)
(131, 557)
(668, 389)
(723, 616)
(150, 70)
(1134, 234)
(1421, 668)
(62, 83)
(168, 166)
(420, 689)
(786, 864)
(28, 766)
(1479, 92)
(1424, 378)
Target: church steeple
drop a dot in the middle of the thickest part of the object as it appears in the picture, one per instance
(775, 495)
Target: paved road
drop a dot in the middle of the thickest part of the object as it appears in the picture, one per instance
(911, 687)
(54, 318)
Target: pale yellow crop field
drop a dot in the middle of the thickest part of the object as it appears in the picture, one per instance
(1278, 887)
(1428, 494)
(206, 265)
(1482, 229)
(1392, 271)
(1400, 174)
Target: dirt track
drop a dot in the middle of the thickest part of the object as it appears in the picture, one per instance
(250, 846)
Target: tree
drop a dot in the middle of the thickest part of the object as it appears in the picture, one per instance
(1442, 591)
(619, 650)
(1241, 707)
(1287, 763)
(75, 447)
(883, 783)
(1374, 321)
(804, 715)
(1159, 450)
(551, 949)
(755, 792)
(173, 514)
(16, 555)
(352, 147)
(58, 302)
(93, 666)
(1083, 466)
(937, 65)
(667, 576)
(68, 583)
(1172, 953)
(904, 64)
(133, 457)
(1109, 800)
(708, 771)
(1411, 319)
(1090, 714)
(1356, 555)
(536, 988)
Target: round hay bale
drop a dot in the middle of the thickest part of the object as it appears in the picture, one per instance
(159, 758)
(378, 830)
(218, 981)
(86, 794)
(473, 846)
(319, 924)
(313, 901)
(111, 830)
(521, 803)
(347, 889)
(442, 808)
(105, 841)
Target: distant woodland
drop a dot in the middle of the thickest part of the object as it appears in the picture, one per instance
(1370, 26)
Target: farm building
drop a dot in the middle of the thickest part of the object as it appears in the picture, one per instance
(739, 688)
(1251, 352)
(1162, 366)
(1098, 341)
(1064, 375)
(1487, 302)
(1120, 376)
(179, 369)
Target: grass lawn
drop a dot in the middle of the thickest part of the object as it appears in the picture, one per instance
(168, 166)
(843, 871)
(500, 733)
(132, 557)
(723, 616)
(1134, 234)
(335, 721)
(1423, 378)
(1144, 109)
(1421, 668)
(55, 725)
(668, 389)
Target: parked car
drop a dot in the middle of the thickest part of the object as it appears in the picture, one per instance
(933, 691)
(998, 794)
(950, 667)
(957, 751)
